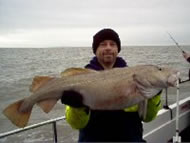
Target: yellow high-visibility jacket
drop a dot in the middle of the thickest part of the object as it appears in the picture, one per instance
(78, 117)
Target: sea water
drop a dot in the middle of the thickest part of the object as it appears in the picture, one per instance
(19, 65)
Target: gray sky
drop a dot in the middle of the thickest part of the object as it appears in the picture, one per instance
(47, 23)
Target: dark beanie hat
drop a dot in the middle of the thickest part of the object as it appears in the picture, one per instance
(105, 34)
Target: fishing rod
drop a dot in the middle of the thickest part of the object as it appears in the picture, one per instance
(176, 42)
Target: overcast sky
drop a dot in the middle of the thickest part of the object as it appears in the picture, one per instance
(47, 23)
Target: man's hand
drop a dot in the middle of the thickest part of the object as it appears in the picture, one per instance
(186, 55)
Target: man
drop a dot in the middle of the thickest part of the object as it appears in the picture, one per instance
(109, 126)
(187, 57)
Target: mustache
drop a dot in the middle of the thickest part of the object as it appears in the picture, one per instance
(108, 53)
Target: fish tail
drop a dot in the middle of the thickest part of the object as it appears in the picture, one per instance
(20, 119)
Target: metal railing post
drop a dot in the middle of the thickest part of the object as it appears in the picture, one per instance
(55, 132)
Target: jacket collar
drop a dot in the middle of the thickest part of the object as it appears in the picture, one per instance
(94, 64)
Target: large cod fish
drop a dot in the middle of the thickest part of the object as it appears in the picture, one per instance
(113, 89)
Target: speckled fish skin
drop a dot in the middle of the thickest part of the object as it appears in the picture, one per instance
(111, 89)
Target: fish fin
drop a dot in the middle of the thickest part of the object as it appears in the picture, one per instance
(142, 109)
(141, 84)
(144, 86)
(38, 81)
(139, 79)
(20, 119)
(47, 105)
(76, 71)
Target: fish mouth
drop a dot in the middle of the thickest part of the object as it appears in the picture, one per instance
(172, 80)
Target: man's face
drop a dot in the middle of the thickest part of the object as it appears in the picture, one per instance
(107, 52)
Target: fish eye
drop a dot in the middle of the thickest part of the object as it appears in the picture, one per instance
(159, 68)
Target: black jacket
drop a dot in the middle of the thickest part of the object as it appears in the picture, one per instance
(111, 126)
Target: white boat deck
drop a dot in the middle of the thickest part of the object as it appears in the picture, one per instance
(163, 128)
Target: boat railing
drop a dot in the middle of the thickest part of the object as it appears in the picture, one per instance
(184, 104)
(51, 121)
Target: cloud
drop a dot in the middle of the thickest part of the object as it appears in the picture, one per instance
(71, 22)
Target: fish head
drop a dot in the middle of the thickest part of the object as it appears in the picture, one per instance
(152, 76)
